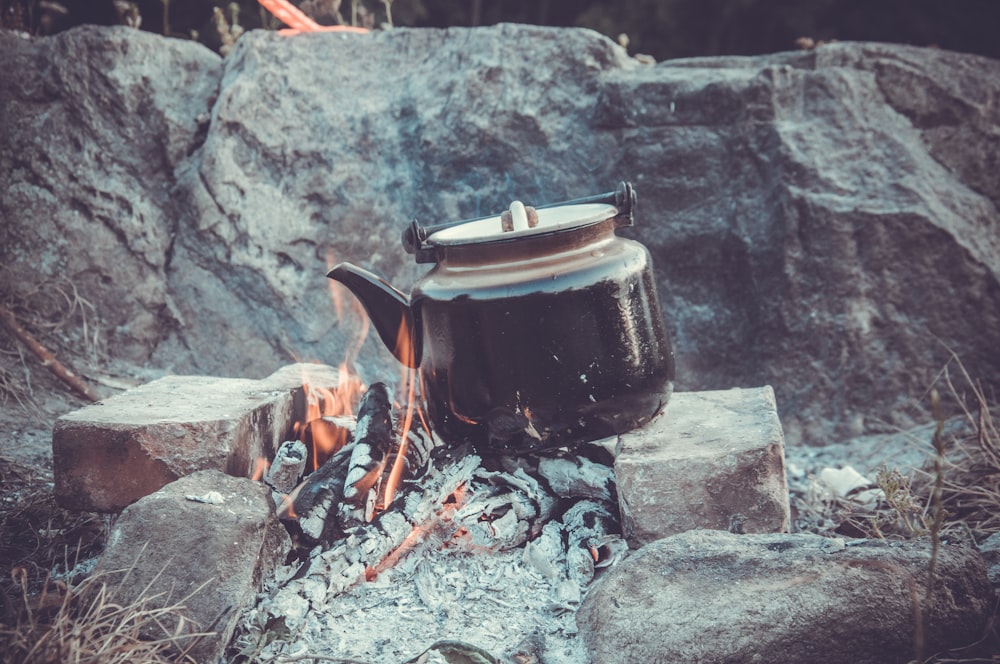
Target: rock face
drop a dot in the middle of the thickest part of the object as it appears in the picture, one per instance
(824, 221)
(710, 596)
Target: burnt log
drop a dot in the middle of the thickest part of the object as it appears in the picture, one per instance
(366, 548)
(374, 438)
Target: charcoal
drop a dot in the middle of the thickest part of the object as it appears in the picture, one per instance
(415, 463)
(287, 468)
(320, 493)
(575, 476)
(418, 453)
(506, 428)
(508, 510)
(591, 530)
(365, 547)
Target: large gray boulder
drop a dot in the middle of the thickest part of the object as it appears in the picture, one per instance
(825, 222)
(714, 597)
(96, 123)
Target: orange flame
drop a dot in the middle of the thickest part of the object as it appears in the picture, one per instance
(320, 402)
(404, 350)
(260, 466)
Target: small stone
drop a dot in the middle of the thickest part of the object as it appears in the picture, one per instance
(210, 498)
(710, 460)
(205, 541)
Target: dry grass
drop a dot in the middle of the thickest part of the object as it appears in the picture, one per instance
(60, 319)
(51, 613)
(956, 493)
(38, 536)
(56, 311)
(83, 624)
(970, 465)
(16, 388)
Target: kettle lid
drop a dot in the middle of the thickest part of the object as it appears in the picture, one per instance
(520, 221)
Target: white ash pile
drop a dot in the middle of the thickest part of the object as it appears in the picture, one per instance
(494, 552)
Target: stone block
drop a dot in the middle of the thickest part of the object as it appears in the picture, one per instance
(205, 542)
(710, 460)
(109, 454)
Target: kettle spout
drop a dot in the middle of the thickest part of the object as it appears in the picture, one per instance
(388, 309)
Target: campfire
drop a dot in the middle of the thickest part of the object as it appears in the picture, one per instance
(478, 490)
(377, 502)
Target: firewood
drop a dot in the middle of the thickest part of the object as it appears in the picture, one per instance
(319, 495)
(367, 546)
(374, 436)
(289, 463)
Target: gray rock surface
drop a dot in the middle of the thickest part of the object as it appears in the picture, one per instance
(206, 542)
(990, 549)
(710, 596)
(820, 221)
(711, 459)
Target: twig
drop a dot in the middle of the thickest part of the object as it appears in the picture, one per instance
(938, 511)
(45, 355)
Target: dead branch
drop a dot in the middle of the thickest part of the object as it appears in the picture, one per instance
(46, 357)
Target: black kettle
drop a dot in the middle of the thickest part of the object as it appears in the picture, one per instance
(536, 327)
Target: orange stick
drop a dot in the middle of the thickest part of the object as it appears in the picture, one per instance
(297, 21)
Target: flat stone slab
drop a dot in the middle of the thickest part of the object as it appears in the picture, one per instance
(110, 454)
(204, 542)
(714, 597)
(711, 460)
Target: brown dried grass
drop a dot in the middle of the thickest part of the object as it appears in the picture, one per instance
(38, 536)
(83, 624)
(47, 614)
(968, 474)
(64, 322)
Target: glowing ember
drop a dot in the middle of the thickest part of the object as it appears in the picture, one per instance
(439, 526)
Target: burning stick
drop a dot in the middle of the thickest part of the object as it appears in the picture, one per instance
(298, 22)
(45, 355)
